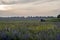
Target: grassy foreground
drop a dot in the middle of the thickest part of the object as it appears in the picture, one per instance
(29, 30)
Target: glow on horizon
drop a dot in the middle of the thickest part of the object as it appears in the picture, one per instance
(5, 7)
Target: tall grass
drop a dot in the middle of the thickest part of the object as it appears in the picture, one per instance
(33, 30)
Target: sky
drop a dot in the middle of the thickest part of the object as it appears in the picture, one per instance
(29, 8)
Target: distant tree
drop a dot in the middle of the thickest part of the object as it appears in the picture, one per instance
(42, 20)
(58, 16)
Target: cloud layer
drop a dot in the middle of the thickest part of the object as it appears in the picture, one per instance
(16, 1)
(29, 7)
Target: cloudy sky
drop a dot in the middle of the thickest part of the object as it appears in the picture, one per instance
(29, 7)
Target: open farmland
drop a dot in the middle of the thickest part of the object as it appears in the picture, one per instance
(29, 30)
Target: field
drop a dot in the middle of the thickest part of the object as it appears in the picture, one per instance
(29, 30)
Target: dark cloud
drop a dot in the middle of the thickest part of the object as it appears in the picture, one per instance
(15, 1)
(22, 1)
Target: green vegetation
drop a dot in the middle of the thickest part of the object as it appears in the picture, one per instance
(29, 30)
(53, 20)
